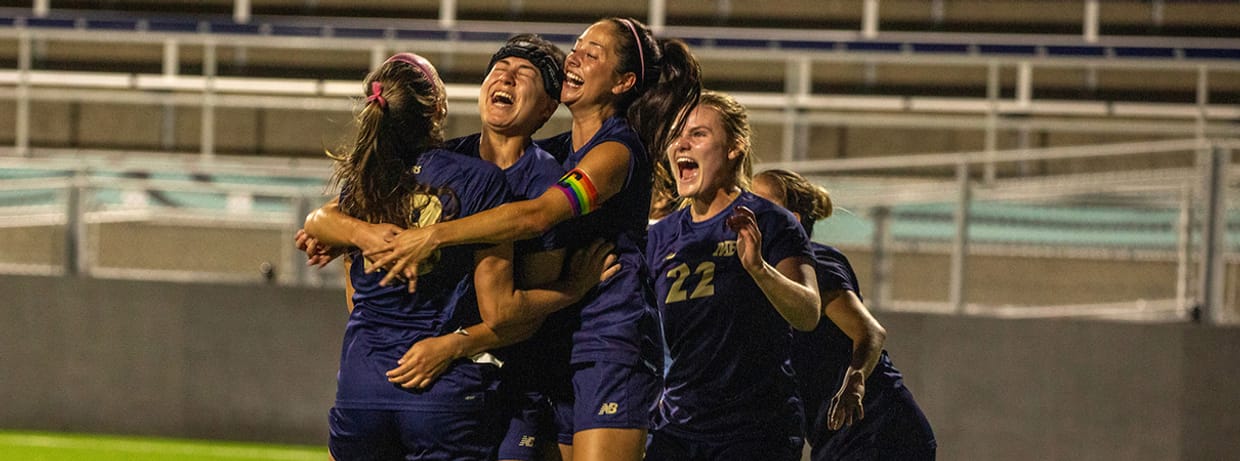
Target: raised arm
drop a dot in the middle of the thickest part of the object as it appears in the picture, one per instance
(847, 312)
(790, 285)
(600, 175)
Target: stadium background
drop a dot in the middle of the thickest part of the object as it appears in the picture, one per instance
(1039, 197)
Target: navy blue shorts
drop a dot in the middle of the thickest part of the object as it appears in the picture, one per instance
(607, 396)
(411, 435)
(774, 446)
(530, 426)
(894, 427)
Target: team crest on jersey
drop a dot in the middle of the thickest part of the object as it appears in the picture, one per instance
(428, 210)
(725, 248)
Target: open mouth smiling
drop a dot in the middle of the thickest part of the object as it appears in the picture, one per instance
(501, 98)
(686, 168)
(573, 80)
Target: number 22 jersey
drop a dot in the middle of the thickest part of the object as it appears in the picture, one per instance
(727, 347)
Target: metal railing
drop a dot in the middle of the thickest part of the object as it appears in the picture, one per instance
(797, 108)
(1194, 198)
(1173, 220)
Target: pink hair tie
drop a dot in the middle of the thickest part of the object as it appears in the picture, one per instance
(376, 94)
(641, 56)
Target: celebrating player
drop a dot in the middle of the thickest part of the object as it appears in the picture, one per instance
(732, 273)
(856, 404)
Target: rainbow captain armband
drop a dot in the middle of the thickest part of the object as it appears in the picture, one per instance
(580, 191)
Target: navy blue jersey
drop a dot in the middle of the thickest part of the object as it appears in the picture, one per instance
(728, 373)
(560, 145)
(821, 357)
(529, 177)
(543, 358)
(386, 321)
(618, 319)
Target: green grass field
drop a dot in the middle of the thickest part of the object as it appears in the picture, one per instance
(43, 446)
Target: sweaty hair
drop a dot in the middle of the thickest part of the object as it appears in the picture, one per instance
(669, 82)
(800, 196)
(401, 117)
(735, 121)
(544, 55)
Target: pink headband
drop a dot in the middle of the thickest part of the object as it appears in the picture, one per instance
(641, 56)
(376, 94)
(415, 61)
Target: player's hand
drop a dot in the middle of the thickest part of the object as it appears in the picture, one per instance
(317, 254)
(592, 265)
(402, 255)
(371, 237)
(846, 407)
(425, 361)
(748, 238)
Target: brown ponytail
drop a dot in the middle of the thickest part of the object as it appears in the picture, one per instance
(669, 82)
(401, 117)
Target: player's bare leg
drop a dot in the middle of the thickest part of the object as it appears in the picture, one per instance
(609, 444)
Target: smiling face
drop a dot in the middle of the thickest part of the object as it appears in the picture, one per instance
(512, 99)
(590, 69)
(702, 159)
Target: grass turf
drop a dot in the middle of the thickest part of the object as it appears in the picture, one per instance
(43, 446)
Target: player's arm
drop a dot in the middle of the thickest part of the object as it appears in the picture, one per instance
(333, 228)
(509, 315)
(534, 269)
(600, 175)
(847, 312)
(790, 285)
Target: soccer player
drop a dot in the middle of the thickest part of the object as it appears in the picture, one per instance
(626, 91)
(856, 404)
(518, 95)
(732, 273)
(393, 173)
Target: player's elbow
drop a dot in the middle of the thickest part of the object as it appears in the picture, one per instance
(313, 221)
(878, 334)
(498, 314)
(805, 324)
(499, 322)
(507, 322)
(806, 318)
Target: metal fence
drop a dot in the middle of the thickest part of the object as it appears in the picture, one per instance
(160, 218)
(927, 232)
(933, 233)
